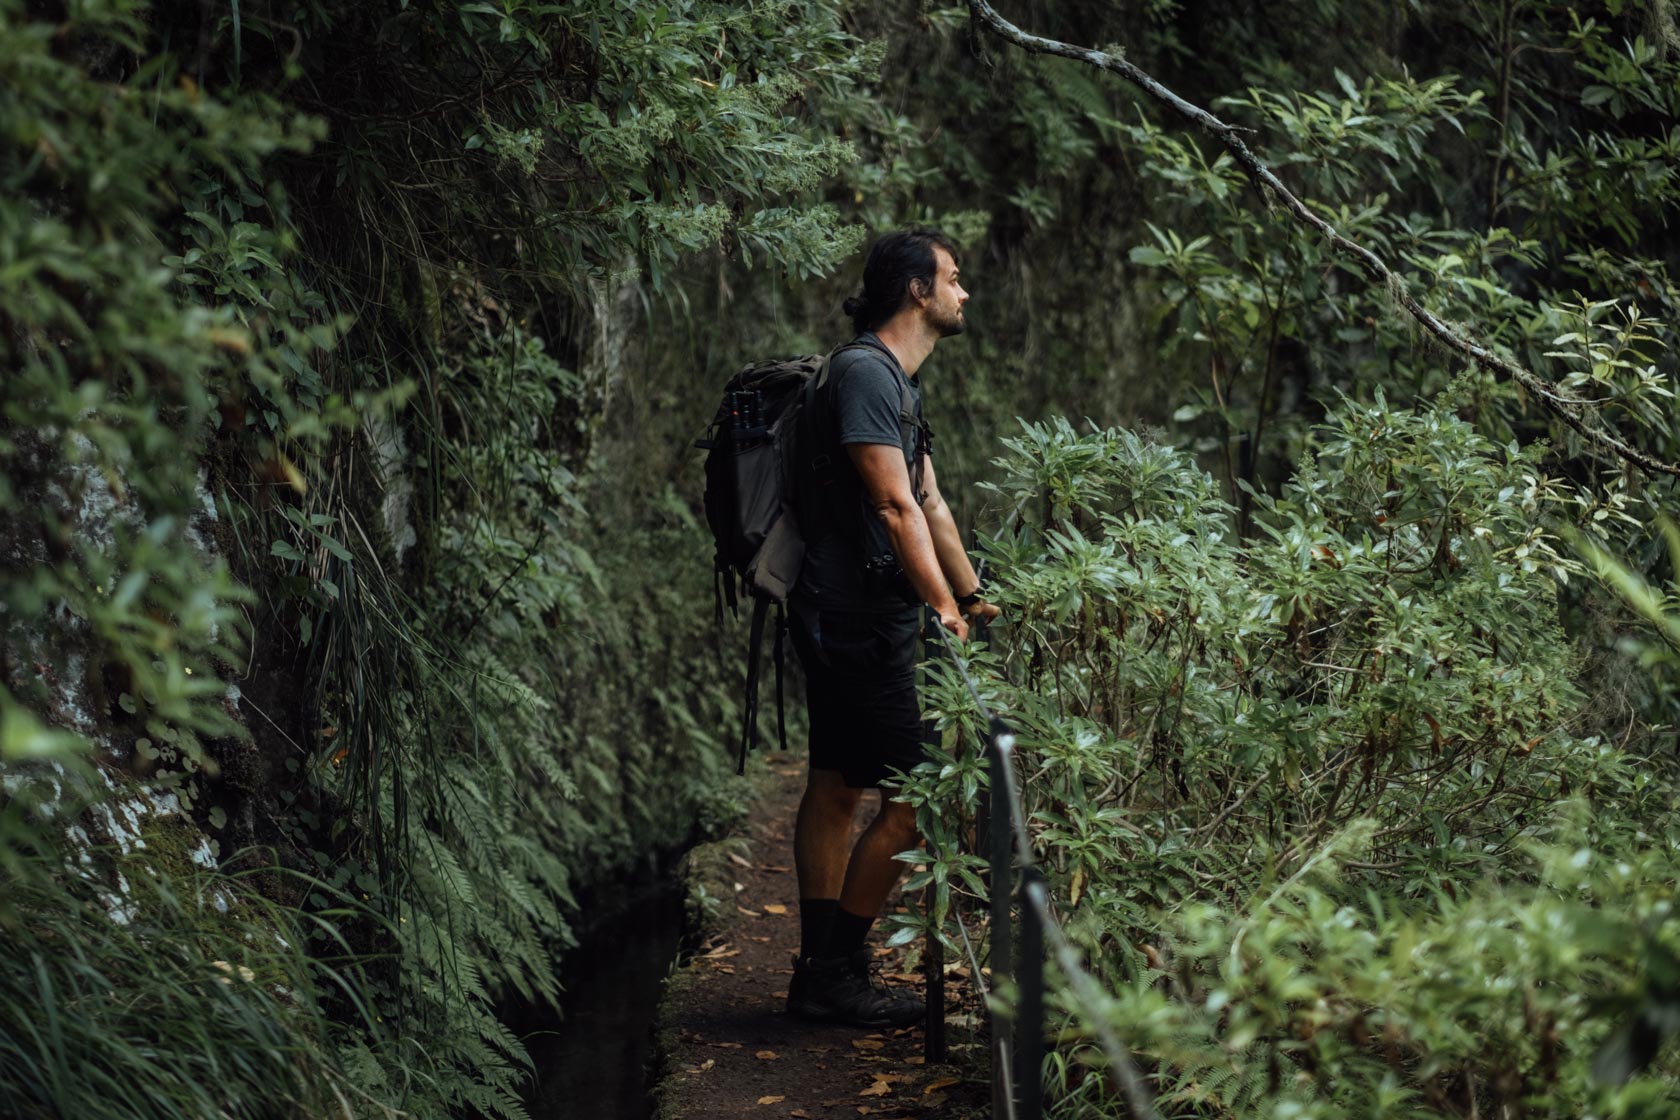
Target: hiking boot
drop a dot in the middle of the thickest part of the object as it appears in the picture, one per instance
(846, 990)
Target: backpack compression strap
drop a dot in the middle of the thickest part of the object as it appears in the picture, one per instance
(723, 585)
(781, 659)
(755, 648)
(749, 717)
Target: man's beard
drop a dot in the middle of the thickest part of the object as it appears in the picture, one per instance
(955, 325)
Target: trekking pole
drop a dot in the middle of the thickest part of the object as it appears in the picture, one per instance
(998, 819)
(934, 1047)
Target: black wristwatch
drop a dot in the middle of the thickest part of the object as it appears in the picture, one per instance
(973, 597)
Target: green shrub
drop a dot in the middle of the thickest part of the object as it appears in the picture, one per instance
(134, 991)
(1311, 803)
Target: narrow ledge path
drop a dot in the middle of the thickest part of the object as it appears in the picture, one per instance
(732, 1050)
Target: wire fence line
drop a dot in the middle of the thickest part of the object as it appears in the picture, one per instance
(1017, 1041)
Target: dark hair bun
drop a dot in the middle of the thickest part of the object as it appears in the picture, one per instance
(894, 262)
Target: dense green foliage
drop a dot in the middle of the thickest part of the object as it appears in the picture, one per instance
(353, 606)
(300, 532)
(1304, 740)
(1314, 805)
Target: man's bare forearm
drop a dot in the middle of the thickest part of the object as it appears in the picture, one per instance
(913, 544)
(948, 547)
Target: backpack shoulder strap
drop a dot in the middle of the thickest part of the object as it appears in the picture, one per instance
(821, 379)
(913, 434)
(906, 398)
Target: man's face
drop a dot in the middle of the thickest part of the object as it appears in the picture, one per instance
(944, 308)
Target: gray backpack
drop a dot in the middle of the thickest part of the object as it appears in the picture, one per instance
(770, 487)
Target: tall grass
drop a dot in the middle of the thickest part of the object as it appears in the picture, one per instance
(130, 993)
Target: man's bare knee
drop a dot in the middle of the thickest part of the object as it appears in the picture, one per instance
(899, 820)
(827, 791)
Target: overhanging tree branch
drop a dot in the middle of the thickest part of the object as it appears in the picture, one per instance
(1572, 411)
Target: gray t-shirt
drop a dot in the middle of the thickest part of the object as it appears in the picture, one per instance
(864, 398)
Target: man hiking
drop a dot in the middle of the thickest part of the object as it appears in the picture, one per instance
(891, 545)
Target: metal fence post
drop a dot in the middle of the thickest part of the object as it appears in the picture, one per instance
(1000, 852)
(1018, 1041)
(1029, 1026)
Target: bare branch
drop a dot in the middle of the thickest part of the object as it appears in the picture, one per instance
(1571, 411)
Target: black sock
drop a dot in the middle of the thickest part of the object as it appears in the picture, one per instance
(816, 915)
(846, 935)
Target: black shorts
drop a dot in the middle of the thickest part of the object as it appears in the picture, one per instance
(860, 688)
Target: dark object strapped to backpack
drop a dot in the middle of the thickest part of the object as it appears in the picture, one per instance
(771, 473)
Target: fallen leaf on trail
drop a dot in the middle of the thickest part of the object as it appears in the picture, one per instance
(940, 1083)
(879, 1089)
(721, 952)
(703, 1066)
(868, 1043)
(777, 870)
(915, 1061)
(767, 1055)
(760, 940)
(739, 860)
(749, 913)
(727, 1045)
(799, 1114)
(774, 908)
(771, 1100)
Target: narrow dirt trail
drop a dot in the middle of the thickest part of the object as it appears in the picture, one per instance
(732, 1050)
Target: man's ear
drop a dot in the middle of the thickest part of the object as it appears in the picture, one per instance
(920, 289)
